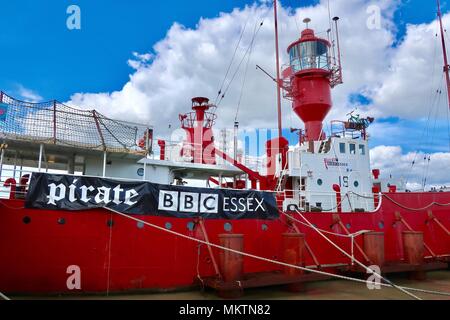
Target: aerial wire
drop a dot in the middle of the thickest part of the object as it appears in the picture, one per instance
(255, 34)
(245, 77)
(232, 59)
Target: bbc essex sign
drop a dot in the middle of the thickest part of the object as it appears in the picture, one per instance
(190, 202)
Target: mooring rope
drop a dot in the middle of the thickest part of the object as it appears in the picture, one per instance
(270, 260)
(416, 209)
(4, 297)
(355, 260)
(351, 235)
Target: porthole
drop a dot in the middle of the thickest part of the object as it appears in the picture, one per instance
(110, 223)
(320, 182)
(140, 225)
(227, 227)
(356, 184)
(26, 220)
(348, 226)
(265, 227)
(190, 226)
(61, 221)
(168, 225)
(381, 225)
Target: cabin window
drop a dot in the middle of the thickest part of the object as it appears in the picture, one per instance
(356, 184)
(342, 147)
(362, 149)
(320, 182)
(352, 148)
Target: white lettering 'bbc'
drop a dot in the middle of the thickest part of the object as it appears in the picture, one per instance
(188, 201)
(168, 201)
(57, 193)
(209, 203)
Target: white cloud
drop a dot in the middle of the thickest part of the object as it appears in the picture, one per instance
(392, 161)
(192, 62)
(28, 94)
(140, 60)
(408, 87)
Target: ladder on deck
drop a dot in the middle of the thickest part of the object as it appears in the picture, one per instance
(325, 146)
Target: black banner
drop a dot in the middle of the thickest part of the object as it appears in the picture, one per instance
(72, 193)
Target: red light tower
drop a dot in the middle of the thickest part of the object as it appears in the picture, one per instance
(309, 79)
(199, 144)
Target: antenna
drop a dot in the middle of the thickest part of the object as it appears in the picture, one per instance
(339, 80)
(306, 21)
(280, 125)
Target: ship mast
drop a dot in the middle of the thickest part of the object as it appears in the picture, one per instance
(444, 49)
(280, 125)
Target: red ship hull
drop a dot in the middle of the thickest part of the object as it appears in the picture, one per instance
(34, 256)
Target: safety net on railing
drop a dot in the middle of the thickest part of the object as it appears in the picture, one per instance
(55, 123)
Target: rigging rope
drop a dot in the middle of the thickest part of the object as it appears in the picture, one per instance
(355, 260)
(4, 297)
(270, 260)
(426, 133)
(432, 98)
(416, 209)
(232, 60)
(240, 63)
(352, 235)
(427, 159)
(245, 77)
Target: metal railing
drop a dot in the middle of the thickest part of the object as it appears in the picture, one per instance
(14, 182)
(325, 201)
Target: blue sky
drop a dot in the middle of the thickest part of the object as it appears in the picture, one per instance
(38, 52)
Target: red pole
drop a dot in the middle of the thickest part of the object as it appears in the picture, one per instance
(444, 49)
(162, 146)
(280, 126)
(337, 189)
